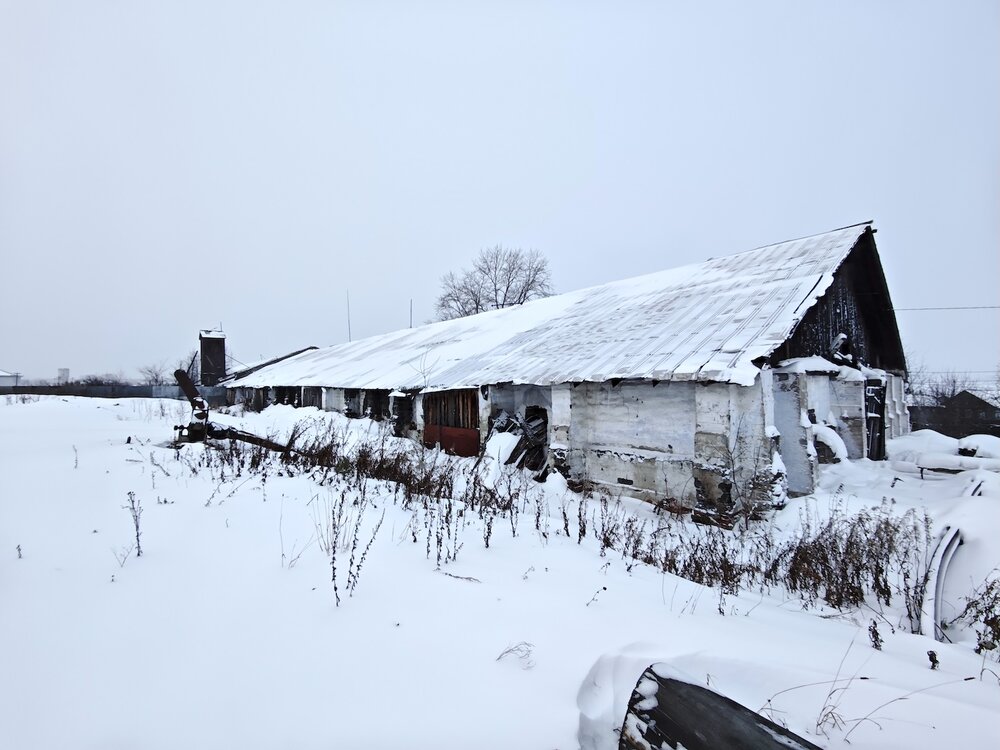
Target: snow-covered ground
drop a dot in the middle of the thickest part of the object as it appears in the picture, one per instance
(225, 632)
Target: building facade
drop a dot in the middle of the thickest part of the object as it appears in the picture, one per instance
(710, 382)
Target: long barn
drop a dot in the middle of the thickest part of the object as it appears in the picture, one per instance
(702, 383)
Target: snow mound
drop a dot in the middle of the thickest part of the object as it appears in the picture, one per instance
(501, 445)
(828, 436)
(604, 695)
(985, 446)
(909, 447)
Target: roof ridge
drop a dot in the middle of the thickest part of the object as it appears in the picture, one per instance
(706, 261)
(708, 320)
(793, 239)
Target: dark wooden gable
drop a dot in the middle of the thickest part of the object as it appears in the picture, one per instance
(856, 304)
(973, 404)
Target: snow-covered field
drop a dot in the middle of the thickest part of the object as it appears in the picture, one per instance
(225, 632)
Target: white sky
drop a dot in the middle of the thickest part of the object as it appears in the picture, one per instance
(167, 166)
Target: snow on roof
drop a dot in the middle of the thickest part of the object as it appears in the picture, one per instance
(5, 374)
(245, 369)
(807, 364)
(708, 321)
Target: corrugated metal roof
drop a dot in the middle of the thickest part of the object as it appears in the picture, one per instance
(707, 321)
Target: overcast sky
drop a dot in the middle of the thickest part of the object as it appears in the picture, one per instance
(169, 166)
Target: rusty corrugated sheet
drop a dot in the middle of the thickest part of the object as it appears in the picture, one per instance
(458, 441)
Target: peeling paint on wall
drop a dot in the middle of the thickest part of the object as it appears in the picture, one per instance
(637, 432)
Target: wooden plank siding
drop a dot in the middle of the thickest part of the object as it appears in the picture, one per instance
(856, 304)
(451, 419)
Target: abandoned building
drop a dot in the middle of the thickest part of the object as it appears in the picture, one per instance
(708, 380)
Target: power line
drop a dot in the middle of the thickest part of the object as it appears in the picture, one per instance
(970, 307)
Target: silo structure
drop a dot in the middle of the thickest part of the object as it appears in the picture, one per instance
(213, 356)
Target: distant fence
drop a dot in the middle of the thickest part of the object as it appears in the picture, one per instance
(215, 395)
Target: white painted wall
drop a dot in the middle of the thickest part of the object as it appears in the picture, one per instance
(847, 402)
(788, 406)
(636, 432)
(560, 417)
(731, 444)
(897, 415)
(333, 399)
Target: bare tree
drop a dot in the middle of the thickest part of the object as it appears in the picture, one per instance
(499, 277)
(934, 389)
(993, 389)
(946, 385)
(154, 374)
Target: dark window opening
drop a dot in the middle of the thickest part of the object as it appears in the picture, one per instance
(352, 402)
(312, 397)
(376, 405)
(451, 420)
(875, 419)
(402, 418)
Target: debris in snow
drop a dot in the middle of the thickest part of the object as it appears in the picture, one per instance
(983, 446)
(828, 436)
(947, 462)
(874, 636)
(682, 713)
(501, 445)
(530, 450)
(931, 451)
(771, 431)
(522, 651)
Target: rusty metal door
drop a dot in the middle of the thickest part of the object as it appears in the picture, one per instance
(451, 420)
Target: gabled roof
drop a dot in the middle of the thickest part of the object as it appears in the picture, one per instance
(709, 321)
(969, 399)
